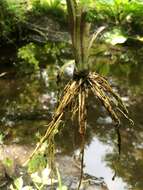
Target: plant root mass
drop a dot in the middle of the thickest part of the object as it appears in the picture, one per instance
(75, 94)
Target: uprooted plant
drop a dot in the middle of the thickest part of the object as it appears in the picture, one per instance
(83, 82)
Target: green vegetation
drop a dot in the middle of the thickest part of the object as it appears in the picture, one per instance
(51, 7)
(122, 20)
(118, 12)
(32, 57)
(12, 14)
(40, 175)
(97, 29)
(83, 83)
(27, 54)
(124, 14)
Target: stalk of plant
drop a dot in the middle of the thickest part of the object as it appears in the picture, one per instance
(84, 82)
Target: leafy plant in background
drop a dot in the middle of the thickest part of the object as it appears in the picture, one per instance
(12, 13)
(32, 56)
(18, 8)
(44, 4)
(51, 7)
(27, 54)
(123, 13)
(115, 36)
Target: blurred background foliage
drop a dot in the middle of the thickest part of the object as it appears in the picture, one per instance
(123, 13)
(26, 25)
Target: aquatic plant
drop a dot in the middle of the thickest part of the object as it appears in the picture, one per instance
(83, 83)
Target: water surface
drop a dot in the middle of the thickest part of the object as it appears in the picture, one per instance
(27, 104)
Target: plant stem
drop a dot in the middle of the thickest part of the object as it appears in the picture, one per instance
(79, 33)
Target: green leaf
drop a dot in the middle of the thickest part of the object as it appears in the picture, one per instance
(103, 68)
(115, 37)
(1, 138)
(45, 176)
(8, 162)
(61, 187)
(18, 183)
(36, 178)
(11, 187)
(37, 163)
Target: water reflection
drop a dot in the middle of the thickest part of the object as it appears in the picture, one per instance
(95, 165)
(27, 105)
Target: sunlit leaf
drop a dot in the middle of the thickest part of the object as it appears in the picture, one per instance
(36, 178)
(103, 69)
(1, 138)
(8, 162)
(11, 187)
(45, 176)
(27, 188)
(18, 183)
(115, 37)
(140, 38)
(37, 163)
(61, 187)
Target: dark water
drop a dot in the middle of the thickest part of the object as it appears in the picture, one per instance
(27, 104)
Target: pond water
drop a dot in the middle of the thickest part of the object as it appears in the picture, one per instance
(95, 165)
(28, 101)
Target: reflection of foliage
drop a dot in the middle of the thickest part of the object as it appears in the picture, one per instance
(24, 108)
(130, 165)
(68, 139)
(118, 60)
(28, 99)
(129, 168)
(131, 161)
